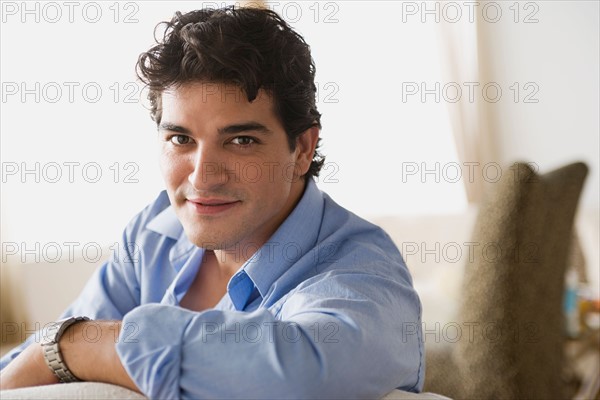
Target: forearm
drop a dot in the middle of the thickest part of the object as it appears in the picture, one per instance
(28, 369)
(88, 349)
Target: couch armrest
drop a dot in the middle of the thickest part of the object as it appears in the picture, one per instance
(77, 390)
(94, 390)
(402, 395)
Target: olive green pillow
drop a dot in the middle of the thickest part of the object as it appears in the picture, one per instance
(512, 325)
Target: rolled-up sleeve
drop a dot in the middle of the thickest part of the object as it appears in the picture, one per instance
(336, 336)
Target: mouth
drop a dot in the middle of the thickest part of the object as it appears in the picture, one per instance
(211, 206)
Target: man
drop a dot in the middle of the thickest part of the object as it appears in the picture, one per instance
(242, 279)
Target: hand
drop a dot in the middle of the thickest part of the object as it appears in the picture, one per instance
(28, 369)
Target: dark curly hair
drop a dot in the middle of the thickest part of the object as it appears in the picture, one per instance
(250, 47)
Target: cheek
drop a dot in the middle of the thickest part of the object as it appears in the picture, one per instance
(286, 166)
(172, 169)
(286, 173)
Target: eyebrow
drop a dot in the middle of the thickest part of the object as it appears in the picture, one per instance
(227, 130)
(245, 127)
(167, 126)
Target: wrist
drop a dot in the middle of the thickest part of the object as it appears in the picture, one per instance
(85, 349)
(51, 348)
(89, 348)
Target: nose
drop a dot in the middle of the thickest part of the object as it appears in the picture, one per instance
(209, 169)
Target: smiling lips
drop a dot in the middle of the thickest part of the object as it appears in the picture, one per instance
(211, 206)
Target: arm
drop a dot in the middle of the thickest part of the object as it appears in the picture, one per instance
(87, 348)
(28, 369)
(334, 339)
(343, 336)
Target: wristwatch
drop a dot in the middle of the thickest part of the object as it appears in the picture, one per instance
(52, 354)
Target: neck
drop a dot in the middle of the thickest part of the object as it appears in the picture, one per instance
(226, 267)
(231, 259)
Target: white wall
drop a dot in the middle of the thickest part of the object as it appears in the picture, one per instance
(560, 54)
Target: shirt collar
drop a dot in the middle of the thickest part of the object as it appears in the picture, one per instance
(166, 223)
(294, 238)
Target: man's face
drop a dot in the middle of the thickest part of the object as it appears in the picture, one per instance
(227, 165)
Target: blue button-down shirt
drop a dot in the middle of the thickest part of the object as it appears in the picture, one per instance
(324, 309)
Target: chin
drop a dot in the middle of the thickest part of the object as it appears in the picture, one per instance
(207, 239)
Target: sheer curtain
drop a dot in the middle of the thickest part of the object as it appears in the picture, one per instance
(464, 66)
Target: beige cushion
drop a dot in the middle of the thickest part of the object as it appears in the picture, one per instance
(511, 312)
(93, 390)
(79, 390)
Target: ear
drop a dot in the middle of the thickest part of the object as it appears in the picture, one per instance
(306, 143)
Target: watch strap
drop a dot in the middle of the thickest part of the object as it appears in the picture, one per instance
(54, 360)
(52, 354)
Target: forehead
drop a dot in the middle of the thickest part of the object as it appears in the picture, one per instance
(210, 98)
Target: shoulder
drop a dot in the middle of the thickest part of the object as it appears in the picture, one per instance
(354, 244)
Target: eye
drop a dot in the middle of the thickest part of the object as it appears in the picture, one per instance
(244, 141)
(179, 140)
